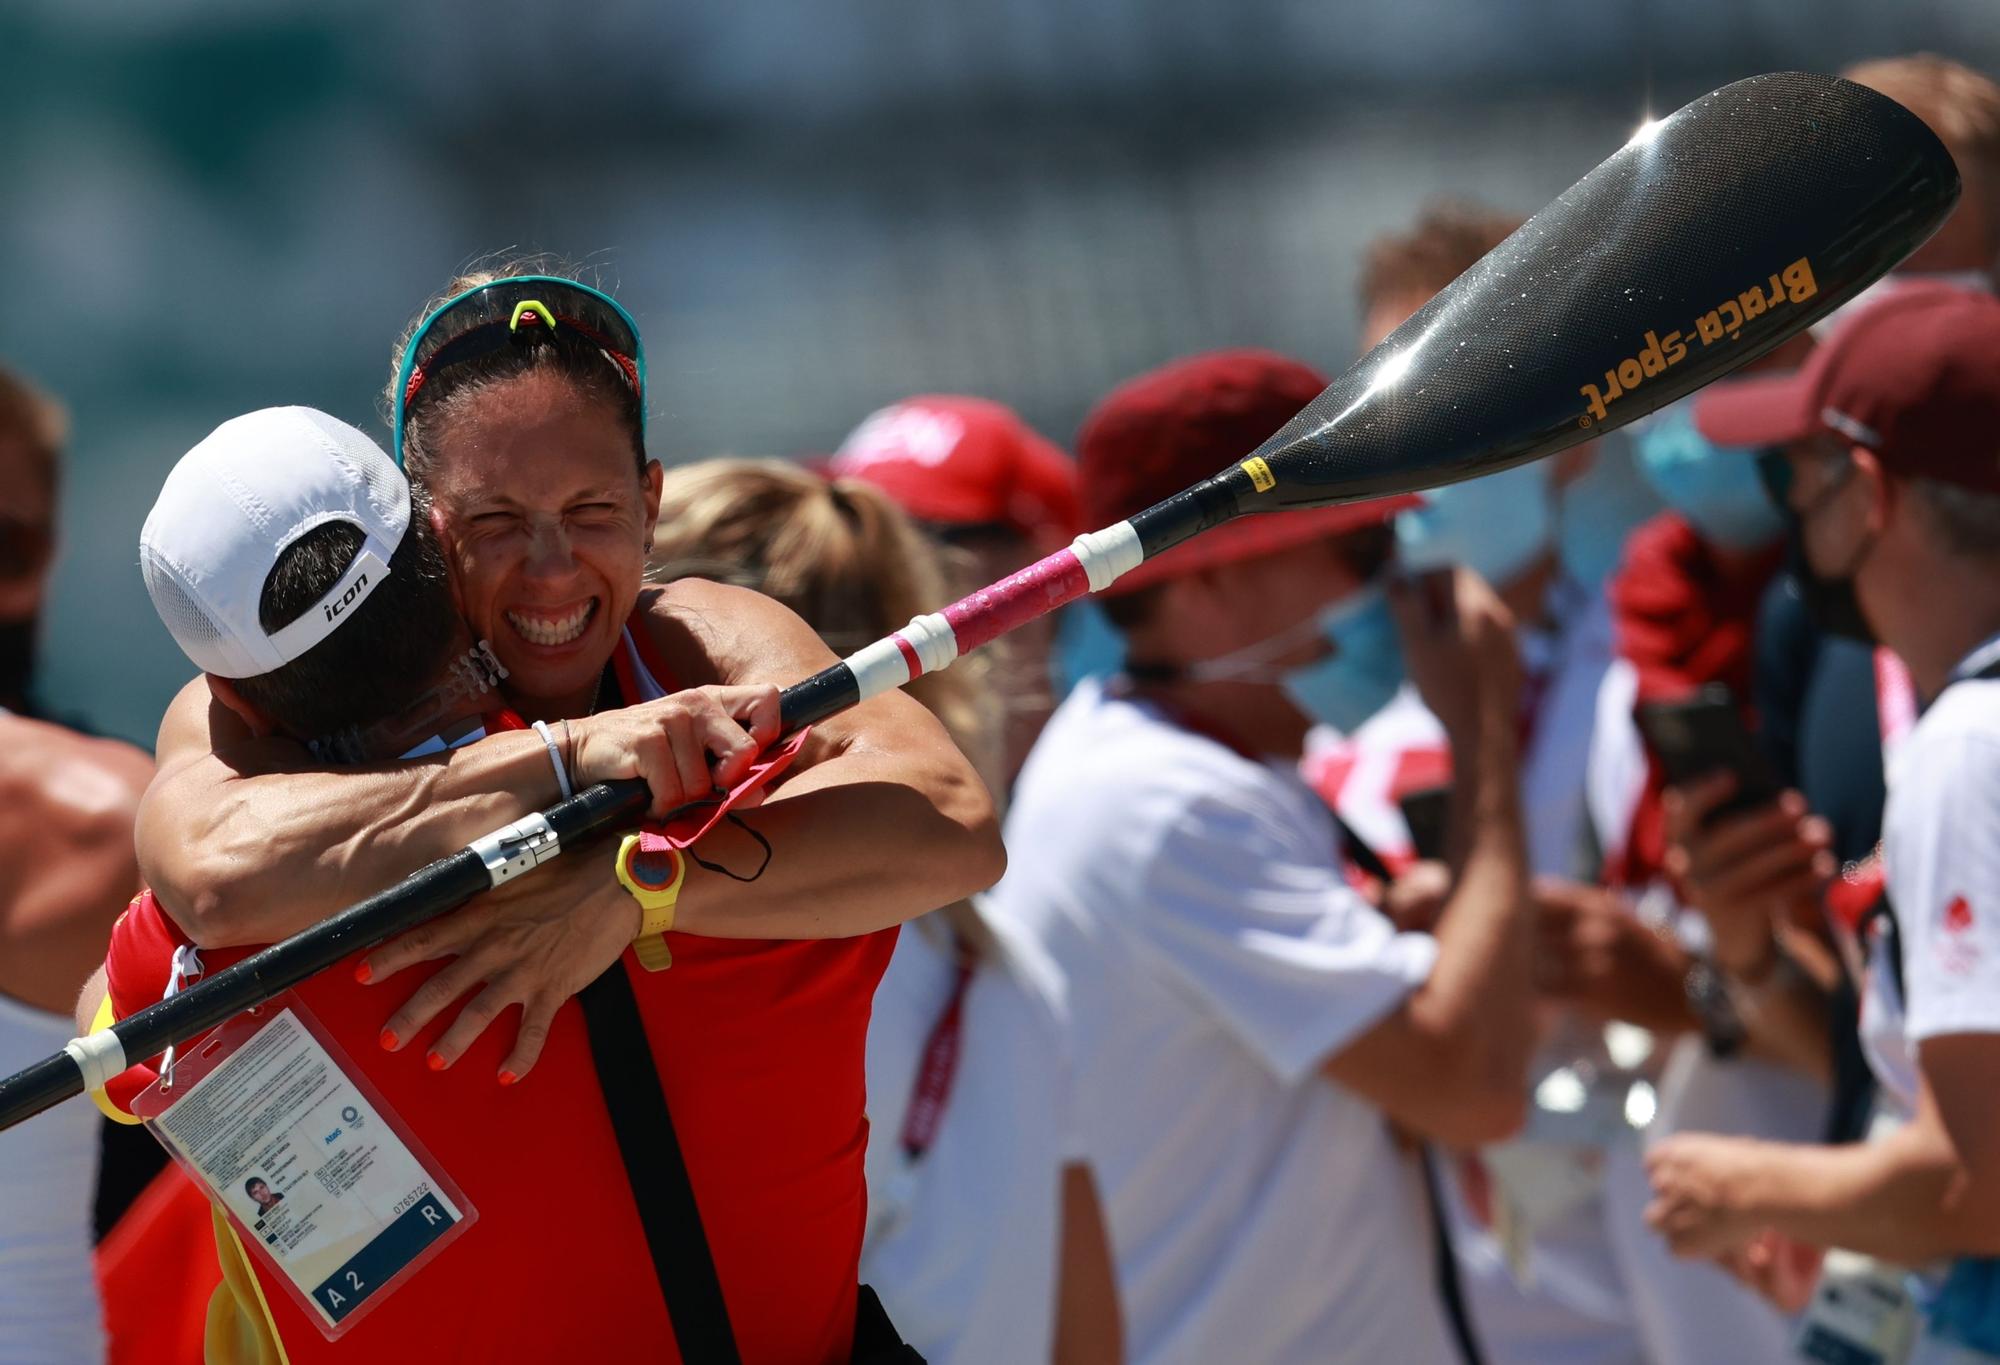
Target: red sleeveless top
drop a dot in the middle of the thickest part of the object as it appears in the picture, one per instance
(760, 1047)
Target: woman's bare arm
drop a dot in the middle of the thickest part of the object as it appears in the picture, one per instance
(1090, 1328)
(880, 819)
(246, 839)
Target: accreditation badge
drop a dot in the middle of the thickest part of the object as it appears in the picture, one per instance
(1862, 1313)
(319, 1178)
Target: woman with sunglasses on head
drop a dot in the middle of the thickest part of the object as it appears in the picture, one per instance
(519, 413)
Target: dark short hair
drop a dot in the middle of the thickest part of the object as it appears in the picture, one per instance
(254, 1181)
(388, 650)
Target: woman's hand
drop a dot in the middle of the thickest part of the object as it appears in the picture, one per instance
(534, 942)
(672, 742)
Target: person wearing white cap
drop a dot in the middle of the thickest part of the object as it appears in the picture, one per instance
(519, 406)
(284, 558)
(66, 866)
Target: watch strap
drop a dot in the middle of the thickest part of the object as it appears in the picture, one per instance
(653, 877)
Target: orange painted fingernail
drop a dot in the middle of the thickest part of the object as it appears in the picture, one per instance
(433, 1061)
(389, 1040)
(362, 973)
(508, 1078)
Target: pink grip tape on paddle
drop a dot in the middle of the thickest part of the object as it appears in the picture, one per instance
(932, 641)
(1017, 599)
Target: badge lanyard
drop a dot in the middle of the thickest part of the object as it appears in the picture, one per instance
(937, 1067)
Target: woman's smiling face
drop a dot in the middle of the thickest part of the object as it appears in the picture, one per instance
(545, 517)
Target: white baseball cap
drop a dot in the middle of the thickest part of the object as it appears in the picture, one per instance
(235, 503)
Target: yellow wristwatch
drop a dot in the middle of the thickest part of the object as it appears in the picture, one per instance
(654, 879)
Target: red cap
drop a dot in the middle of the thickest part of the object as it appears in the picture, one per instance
(1914, 378)
(1189, 419)
(965, 462)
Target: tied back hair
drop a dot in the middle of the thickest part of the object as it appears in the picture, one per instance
(447, 395)
(839, 553)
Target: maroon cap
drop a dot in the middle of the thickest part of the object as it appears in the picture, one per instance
(964, 462)
(1914, 378)
(1177, 425)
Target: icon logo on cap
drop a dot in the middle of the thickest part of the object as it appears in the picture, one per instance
(346, 600)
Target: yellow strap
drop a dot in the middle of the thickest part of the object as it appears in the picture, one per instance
(656, 905)
(104, 1019)
(238, 1333)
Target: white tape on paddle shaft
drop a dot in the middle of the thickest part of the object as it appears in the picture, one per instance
(511, 851)
(934, 640)
(99, 1056)
(1108, 554)
(886, 665)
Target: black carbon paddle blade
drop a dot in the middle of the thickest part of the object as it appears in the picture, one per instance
(1711, 237)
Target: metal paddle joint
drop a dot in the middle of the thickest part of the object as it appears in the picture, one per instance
(513, 849)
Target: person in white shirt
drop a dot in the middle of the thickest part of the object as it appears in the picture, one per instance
(1257, 1048)
(67, 802)
(1892, 467)
(985, 1238)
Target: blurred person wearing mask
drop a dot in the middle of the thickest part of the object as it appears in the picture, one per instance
(1816, 690)
(1558, 1262)
(67, 803)
(999, 497)
(518, 405)
(985, 1237)
(1891, 468)
(1831, 710)
(1251, 1035)
(1542, 534)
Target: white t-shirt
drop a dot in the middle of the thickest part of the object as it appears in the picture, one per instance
(1210, 957)
(962, 1244)
(1942, 860)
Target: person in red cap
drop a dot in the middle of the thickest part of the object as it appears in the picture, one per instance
(1248, 1030)
(1891, 467)
(984, 484)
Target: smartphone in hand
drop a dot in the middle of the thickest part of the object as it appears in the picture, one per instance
(1427, 813)
(1703, 735)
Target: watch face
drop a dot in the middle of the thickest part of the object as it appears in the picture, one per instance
(654, 871)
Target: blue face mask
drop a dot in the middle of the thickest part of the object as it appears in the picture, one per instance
(1715, 487)
(1495, 525)
(1087, 646)
(1599, 509)
(1364, 670)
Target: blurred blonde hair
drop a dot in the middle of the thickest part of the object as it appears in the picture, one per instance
(838, 552)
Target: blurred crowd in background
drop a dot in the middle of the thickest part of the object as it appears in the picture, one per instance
(1549, 922)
